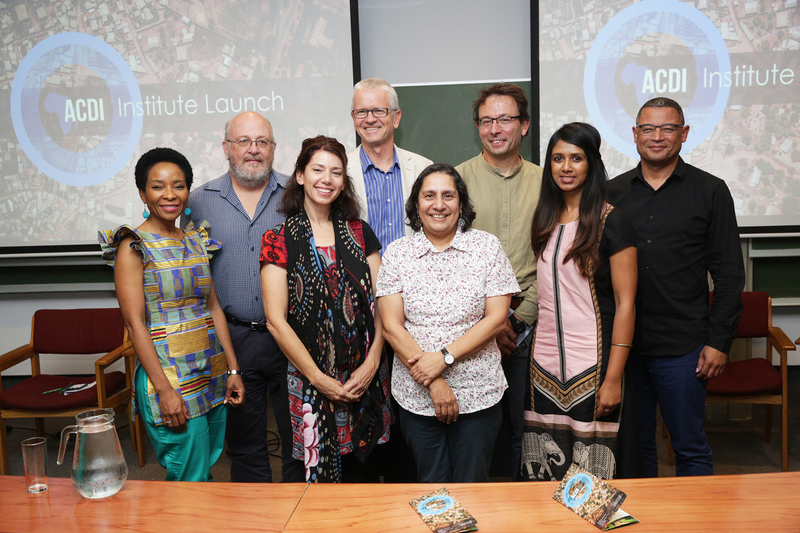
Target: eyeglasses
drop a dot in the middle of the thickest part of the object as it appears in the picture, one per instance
(377, 112)
(666, 129)
(486, 122)
(245, 144)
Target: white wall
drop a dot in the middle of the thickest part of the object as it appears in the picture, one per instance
(416, 42)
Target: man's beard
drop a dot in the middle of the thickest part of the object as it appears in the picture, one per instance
(250, 178)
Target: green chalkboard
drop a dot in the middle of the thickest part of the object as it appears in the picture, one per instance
(437, 122)
(776, 269)
(779, 276)
(778, 243)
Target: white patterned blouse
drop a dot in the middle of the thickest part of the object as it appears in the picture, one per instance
(444, 295)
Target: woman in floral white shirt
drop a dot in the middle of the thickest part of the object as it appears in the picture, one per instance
(443, 294)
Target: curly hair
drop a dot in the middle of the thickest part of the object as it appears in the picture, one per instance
(161, 155)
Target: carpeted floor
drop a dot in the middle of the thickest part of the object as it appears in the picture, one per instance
(739, 446)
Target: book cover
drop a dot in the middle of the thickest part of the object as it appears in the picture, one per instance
(588, 496)
(443, 513)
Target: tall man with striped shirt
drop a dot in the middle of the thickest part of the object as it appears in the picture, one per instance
(382, 173)
(382, 176)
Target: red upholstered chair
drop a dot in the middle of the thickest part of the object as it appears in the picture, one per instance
(756, 380)
(69, 331)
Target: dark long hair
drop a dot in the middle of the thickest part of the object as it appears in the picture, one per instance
(412, 209)
(584, 249)
(293, 197)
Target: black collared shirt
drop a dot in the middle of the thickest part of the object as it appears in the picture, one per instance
(684, 230)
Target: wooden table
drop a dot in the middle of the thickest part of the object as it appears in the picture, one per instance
(718, 504)
(753, 502)
(148, 507)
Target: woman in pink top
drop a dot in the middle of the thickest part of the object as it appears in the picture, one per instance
(587, 272)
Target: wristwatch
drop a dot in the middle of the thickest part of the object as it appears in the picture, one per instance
(448, 357)
(516, 324)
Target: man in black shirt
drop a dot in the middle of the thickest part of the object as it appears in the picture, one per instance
(685, 228)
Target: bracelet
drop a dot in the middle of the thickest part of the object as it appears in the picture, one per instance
(234, 372)
(623, 345)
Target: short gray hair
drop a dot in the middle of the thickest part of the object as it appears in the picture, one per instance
(662, 101)
(374, 84)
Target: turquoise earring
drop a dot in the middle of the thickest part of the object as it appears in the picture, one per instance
(145, 213)
(187, 211)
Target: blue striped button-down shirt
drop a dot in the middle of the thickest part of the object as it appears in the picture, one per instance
(384, 200)
(235, 268)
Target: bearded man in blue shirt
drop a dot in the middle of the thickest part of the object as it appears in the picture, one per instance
(241, 205)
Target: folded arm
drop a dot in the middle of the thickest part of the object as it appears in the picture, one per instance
(428, 366)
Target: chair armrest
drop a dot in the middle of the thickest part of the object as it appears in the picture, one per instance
(778, 339)
(103, 400)
(112, 357)
(16, 356)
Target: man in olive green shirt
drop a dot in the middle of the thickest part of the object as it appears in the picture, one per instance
(504, 189)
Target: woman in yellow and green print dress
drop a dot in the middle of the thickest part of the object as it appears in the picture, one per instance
(186, 371)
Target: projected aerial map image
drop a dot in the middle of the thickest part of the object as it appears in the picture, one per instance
(92, 85)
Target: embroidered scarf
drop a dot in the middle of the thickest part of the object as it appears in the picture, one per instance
(337, 328)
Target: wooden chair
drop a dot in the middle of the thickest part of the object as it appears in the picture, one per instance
(70, 331)
(756, 380)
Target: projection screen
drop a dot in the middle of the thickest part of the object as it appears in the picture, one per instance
(89, 86)
(733, 67)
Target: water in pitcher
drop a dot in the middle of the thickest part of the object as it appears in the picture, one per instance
(95, 472)
(98, 466)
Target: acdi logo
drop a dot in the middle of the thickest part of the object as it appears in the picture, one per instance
(62, 109)
(656, 48)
